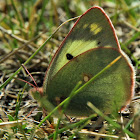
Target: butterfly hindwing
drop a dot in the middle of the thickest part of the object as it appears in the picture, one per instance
(108, 92)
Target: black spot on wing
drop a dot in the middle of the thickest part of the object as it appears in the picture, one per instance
(69, 56)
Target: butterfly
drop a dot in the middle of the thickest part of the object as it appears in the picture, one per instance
(88, 48)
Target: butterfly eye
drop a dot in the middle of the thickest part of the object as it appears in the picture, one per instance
(69, 56)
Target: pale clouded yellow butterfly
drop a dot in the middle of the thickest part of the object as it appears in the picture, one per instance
(87, 49)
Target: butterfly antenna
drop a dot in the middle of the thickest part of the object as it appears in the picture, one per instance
(26, 82)
(30, 75)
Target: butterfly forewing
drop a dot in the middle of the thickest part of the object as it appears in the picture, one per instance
(92, 30)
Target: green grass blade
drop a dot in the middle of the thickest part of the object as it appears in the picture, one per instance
(116, 125)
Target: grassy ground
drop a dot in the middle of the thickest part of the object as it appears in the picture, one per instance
(24, 27)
